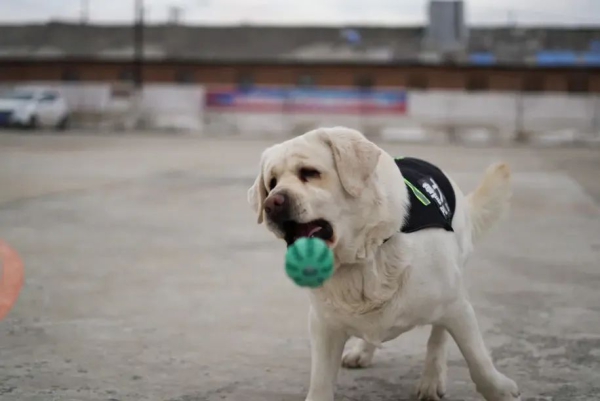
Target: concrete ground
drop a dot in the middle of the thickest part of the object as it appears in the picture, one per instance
(147, 277)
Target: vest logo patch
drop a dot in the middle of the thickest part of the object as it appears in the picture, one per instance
(435, 193)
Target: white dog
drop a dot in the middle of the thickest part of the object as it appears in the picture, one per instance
(335, 184)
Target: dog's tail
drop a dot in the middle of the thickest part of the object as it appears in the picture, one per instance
(490, 201)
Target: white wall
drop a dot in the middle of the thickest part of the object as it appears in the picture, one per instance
(176, 107)
(559, 112)
(432, 114)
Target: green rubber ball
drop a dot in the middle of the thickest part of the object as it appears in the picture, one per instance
(309, 262)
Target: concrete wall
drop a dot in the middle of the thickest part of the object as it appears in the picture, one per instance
(168, 106)
(438, 115)
(431, 115)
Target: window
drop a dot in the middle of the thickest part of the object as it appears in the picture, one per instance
(532, 83)
(18, 95)
(477, 82)
(70, 75)
(364, 82)
(417, 81)
(578, 83)
(126, 75)
(245, 81)
(49, 97)
(306, 81)
(184, 77)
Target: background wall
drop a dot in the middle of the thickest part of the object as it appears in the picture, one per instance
(114, 106)
(435, 115)
(428, 115)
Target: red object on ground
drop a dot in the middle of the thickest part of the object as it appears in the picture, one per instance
(12, 277)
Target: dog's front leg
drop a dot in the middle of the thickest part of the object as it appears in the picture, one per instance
(462, 325)
(327, 344)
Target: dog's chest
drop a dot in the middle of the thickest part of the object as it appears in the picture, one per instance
(377, 330)
(375, 327)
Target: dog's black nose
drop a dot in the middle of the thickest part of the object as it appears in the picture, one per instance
(276, 207)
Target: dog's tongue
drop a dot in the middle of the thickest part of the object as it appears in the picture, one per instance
(308, 230)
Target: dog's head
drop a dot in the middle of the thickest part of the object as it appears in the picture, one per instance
(327, 184)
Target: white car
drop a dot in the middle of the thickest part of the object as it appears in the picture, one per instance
(33, 108)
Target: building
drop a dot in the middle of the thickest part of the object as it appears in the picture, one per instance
(494, 59)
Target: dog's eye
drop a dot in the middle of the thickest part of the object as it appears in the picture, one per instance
(272, 183)
(308, 173)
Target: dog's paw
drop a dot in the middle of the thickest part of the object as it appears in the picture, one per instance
(320, 397)
(357, 358)
(504, 389)
(432, 387)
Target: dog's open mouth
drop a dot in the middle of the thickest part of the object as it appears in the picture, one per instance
(317, 228)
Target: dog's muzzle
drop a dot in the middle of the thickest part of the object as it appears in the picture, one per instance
(280, 211)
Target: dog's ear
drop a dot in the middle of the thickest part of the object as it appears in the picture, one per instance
(257, 194)
(355, 157)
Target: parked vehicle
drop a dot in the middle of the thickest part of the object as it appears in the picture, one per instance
(34, 108)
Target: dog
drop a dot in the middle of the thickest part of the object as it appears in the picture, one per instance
(335, 184)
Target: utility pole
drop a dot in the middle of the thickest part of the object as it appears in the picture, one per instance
(135, 116)
(520, 134)
(85, 12)
(175, 15)
(511, 18)
(596, 115)
(138, 40)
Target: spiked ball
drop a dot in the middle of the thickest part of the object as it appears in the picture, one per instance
(309, 262)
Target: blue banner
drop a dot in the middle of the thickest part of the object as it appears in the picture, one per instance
(297, 100)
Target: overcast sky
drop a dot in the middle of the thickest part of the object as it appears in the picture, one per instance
(570, 12)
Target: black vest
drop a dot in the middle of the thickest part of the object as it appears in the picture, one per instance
(432, 199)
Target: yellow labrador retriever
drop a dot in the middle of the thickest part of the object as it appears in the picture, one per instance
(390, 277)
